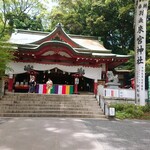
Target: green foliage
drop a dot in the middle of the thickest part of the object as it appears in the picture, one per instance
(125, 110)
(6, 56)
(112, 20)
(24, 14)
(123, 115)
(6, 52)
(118, 106)
(148, 58)
(138, 113)
(146, 108)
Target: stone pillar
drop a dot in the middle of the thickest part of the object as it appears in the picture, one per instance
(95, 86)
(10, 83)
(106, 73)
(2, 86)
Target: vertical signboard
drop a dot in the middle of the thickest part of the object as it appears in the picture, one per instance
(140, 45)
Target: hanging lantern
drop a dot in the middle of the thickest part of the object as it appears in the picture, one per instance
(55, 69)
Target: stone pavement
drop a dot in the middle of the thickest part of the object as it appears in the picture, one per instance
(73, 134)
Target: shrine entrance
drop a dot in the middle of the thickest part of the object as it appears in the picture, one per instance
(58, 77)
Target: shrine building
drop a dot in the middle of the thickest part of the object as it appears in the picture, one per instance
(68, 60)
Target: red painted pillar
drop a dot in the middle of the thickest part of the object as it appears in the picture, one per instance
(95, 86)
(133, 83)
(10, 83)
(75, 88)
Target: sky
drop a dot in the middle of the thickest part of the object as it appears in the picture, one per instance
(50, 4)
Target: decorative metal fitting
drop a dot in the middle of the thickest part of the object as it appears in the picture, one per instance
(28, 68)
(80, 71)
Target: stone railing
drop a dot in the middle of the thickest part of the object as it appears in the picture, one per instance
(121, 93)
(105, 96)
(105, 106)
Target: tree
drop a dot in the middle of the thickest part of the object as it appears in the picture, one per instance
(111, 19)
(6, 52)
(23, 14)
(67, 16)
(6, 56)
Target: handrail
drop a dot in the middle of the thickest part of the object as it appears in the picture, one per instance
(105, 106)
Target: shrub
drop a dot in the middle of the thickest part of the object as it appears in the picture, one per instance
(129, 110)
(123, 115)
(138, 113)
(125, 110)
(146, 108)
(128, 105)
(118, 106)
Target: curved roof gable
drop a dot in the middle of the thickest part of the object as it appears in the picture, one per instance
(58, 34)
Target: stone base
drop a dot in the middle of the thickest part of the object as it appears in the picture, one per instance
(113, 85)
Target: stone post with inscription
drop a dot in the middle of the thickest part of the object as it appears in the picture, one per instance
(141, 7)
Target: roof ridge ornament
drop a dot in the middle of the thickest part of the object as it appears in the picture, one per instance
(16, 31)
(59, 25)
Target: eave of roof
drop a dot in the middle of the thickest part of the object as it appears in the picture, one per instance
(103, 55)
(25, 37)
(123, 71)
(54, 42)
(110, 55)
(92, 50)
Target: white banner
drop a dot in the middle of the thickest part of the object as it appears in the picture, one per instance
(140, 46)
(18, 68)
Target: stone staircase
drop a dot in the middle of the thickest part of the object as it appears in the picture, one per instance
(38, 105)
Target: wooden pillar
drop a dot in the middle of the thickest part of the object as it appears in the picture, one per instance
(10, 83)
(75, 88)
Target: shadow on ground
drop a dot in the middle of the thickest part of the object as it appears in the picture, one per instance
(73, 134)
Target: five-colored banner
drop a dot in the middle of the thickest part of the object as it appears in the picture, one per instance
(56, 89)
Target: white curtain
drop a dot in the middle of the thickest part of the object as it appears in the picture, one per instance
(18, 68)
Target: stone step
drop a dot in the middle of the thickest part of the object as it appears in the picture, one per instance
(48, 103)
(11, 103)
(47, 95)
(35, 95)
(47, 99)
(54, 111)
(51, 115)
(47, 107)
(38, 105)
(39, 100)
